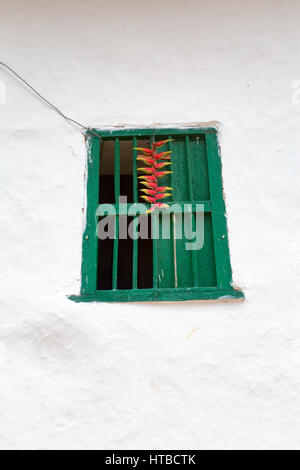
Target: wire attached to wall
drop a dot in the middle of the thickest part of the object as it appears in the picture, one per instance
(73, 121)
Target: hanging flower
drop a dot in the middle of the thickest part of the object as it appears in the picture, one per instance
(153, 193)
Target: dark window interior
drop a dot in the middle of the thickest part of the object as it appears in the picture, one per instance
(105, 263)
(125, 246)
(106, 182)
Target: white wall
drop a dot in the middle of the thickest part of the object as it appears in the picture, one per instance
(196, 375)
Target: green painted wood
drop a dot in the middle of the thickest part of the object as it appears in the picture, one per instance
(165, 256)
(198, 158)
(135, 256)
(191, 198)
(206, 265)
(165, 253)
(203, 265)
(167, 295)
(188, 167)
(184, 257)
(186, 272)
(170, 260)
(196, 175)
(194, 256)
(115, 255)
(111, 133)
(117, 195)
(90, 240)
(155, 235)
(167, 180)
(219, 223)
(135, 199)
(180, 176)
(171, 178)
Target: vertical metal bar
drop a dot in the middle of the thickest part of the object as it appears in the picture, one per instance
(172, 221)
(117, 170)
(190, 185)
(115, 254)
(155, 228)
(170, 147)
(135, 223)
(134, 172)
(194, 255)
(117, 195)
(174, 251)
(188, 165)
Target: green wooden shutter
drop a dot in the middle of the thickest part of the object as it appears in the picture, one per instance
(178, 274)
(179, 267)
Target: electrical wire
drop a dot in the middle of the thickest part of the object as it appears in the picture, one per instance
(48, 102)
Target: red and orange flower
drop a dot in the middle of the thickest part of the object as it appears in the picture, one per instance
(153, 192)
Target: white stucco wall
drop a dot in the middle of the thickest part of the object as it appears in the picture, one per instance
(196, 375)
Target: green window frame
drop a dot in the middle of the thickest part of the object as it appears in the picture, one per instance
(188, 275)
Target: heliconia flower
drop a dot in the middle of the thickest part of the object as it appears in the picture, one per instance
(159, 174)
(147, 178)
(163, 188)
(162, 165)
(149, 191)
(147, 160)
(160, 205)
(150, 170)
(149, 184)
(162, 195)
(161, 143)
(163, 155)
(147, 151)
(148, 198)
(167, 157)
(151, 159)
(148, 211)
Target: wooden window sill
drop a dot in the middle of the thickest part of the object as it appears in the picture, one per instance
(166, 295)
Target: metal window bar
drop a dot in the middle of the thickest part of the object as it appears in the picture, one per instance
(155, 228)
(193, 222)
(117, 195)
(172, 218)
(136, 219)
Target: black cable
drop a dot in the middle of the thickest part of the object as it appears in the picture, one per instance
(48, 102)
